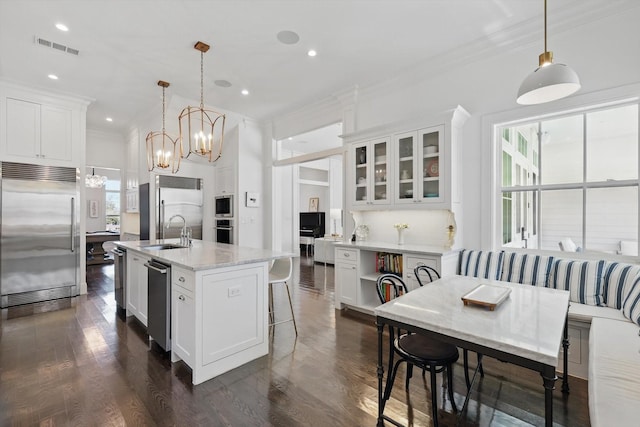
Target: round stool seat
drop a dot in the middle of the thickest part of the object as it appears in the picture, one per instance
(425, 349)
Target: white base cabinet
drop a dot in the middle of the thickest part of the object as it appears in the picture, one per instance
(357, 270)
(137, 286)
(222, 323)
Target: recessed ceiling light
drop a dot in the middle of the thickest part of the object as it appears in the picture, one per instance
(245, 92)
(312, 53)
(109, 119)
(222, 83)
(288, 37)
(62, 27)
(290, 138)
(53, 77)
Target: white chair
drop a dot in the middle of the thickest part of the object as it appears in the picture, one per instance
(280, 272)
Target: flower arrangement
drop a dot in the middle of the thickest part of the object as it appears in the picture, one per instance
(401, 225)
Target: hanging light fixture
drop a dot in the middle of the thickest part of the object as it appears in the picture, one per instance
(200, 128)
(94, 181)
(549, 81)
(162, 150)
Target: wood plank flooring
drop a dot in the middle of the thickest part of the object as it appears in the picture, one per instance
(83, 365)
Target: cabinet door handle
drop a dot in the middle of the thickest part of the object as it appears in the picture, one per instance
(181, 279)
(347, 255)
(353, 267)
(181, 297)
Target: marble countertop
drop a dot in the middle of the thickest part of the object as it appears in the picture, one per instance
(394, 247)
(202, 255)
(529, 323)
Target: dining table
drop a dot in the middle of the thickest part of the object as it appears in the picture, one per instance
(521, 324)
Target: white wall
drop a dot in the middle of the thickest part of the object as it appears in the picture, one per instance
(483, 85)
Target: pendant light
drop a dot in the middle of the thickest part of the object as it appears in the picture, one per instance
(162, 151)
(94, 181)
(549, 81)
(201, 130)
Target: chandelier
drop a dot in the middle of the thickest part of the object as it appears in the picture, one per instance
(549, 81)
(163, 151)
(95, 181)
(202, 129)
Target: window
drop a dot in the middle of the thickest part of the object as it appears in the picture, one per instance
(112, 204)
(571, 176)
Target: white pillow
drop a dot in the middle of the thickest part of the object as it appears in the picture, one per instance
(631, 305)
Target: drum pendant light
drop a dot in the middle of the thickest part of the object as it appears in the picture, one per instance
(549, 81)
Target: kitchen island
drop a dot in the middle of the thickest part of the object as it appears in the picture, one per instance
(219, 314)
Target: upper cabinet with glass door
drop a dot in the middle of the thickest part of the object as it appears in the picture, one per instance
(371, 168)
(417, 168)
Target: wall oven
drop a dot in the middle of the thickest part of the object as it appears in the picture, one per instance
(224, 231)
(223, 206)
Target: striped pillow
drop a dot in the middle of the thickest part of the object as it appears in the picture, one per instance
(617, 281)
(583, 280)
(526, 268)
(631, 305)
(482, 264)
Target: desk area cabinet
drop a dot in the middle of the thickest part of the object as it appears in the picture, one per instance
(358, 266)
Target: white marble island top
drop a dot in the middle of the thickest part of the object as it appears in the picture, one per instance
(529, 323)
(202, 255)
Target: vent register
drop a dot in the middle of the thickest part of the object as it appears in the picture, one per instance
(57, 46)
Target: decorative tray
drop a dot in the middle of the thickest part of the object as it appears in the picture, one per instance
(486, 295)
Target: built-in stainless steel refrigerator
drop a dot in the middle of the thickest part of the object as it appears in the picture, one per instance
(173, 195)
(39, 233)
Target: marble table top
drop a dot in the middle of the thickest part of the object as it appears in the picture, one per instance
(528, 324)
(203, 255)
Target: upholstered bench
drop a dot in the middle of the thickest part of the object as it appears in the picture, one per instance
(614, 373)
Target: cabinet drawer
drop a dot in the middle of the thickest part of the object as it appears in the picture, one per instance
(412, 262)
(182, 278)
(346, 255)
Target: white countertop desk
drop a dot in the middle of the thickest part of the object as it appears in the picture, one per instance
(526, 329)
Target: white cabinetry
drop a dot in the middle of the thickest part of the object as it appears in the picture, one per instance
(357, 271)
(224, 182)
(418, 169)
(202, 304)
(346, 277)
(183, 312)
(417, 166)
(370, 172)
(137, 285)
(38, 132)
(133, 201)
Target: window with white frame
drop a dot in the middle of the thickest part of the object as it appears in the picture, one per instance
(570, 182)
(112, 204)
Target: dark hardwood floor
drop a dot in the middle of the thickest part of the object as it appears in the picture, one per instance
(83, 365)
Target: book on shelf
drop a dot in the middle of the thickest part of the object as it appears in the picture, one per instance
(389, 263)
(388, 292)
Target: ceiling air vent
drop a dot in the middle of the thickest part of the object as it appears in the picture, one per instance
(56, 46)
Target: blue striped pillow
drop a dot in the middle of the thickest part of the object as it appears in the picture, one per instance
(482, 264)
(583, 280)
(617, 280)
(631, 305)
(526, 268)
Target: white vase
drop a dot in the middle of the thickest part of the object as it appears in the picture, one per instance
(401, 236)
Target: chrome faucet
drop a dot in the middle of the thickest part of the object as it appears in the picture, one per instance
(185, 232)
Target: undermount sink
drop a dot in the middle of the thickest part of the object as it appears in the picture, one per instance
(162, 246)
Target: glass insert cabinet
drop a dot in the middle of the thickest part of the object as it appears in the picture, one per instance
(417, 166)
(371, 178)
(407, 165)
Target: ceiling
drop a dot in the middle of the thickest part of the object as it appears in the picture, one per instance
(126, 46)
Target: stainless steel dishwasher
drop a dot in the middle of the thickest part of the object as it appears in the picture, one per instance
(120, 277)
(159, 297)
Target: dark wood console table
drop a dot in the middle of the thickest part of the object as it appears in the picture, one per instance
(95, 251)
